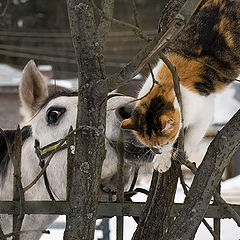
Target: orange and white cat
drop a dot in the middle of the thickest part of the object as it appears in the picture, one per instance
(207, 58)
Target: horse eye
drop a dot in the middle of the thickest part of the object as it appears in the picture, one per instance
(53, 114)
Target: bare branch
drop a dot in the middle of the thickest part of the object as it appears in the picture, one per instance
(184, 185)
(18, 193)
(135, 14)
(89, 155)
(218, 156)
(5, 9)
(219, 200)
(138, 32)
(104, 25)
(159, 42)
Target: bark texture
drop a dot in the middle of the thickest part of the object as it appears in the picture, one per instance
(90, 142)
(155, 219)
(206, 180)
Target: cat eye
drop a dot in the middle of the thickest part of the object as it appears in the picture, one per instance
(54, 114)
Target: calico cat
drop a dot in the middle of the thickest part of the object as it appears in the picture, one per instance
(207, 58)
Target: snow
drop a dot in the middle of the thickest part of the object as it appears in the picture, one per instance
(226, 104)
(9, 76)
(68, 83)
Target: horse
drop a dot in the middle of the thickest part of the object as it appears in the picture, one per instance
(47, 118)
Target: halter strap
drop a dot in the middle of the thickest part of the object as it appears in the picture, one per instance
(46, 151)
(43, 153)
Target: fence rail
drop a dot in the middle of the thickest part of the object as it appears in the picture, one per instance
(105, 210)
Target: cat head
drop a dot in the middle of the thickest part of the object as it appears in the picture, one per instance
(156, 120)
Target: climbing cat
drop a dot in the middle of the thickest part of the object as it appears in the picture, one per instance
(207, 58)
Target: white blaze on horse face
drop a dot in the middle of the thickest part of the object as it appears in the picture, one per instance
(46, 132)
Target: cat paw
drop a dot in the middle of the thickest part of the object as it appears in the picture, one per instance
(162, 162)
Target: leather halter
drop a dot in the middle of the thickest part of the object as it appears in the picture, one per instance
(43, 153)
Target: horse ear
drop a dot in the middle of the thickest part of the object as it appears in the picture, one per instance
(129, 124)
(32, 89)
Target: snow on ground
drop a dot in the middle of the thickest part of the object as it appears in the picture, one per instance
(226, 104)
(9, 76)
(229, 229)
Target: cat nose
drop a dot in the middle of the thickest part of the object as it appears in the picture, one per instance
(156, 150)
(124, 112)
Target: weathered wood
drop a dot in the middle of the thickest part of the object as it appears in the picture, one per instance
(104, 209)
(90, 145)
(155, 219)
(18, 193)
(120, 182)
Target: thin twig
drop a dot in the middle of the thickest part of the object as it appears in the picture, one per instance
(120, 167)
(138, 32)
(104, 25)
(154, 81)
(135, 14)
(5, 9)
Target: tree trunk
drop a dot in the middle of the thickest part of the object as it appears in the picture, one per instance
(90, 142)
(155, 219)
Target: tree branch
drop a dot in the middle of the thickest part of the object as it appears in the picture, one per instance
(5, 9)
(219, 200)
(208, 176)
(138, 32)
(159, 42)
(105, 24)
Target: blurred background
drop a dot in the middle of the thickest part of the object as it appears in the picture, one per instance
(39, 30)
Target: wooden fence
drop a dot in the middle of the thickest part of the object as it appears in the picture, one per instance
(19, 207)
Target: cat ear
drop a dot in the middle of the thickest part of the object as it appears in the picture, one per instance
(129, 124)
(166, 122)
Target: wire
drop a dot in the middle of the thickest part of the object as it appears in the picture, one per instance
(32, 56)
(67, 52)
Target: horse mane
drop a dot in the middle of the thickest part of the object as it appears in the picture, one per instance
(4, 156)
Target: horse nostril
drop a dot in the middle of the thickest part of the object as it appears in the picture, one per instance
(124, 112)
